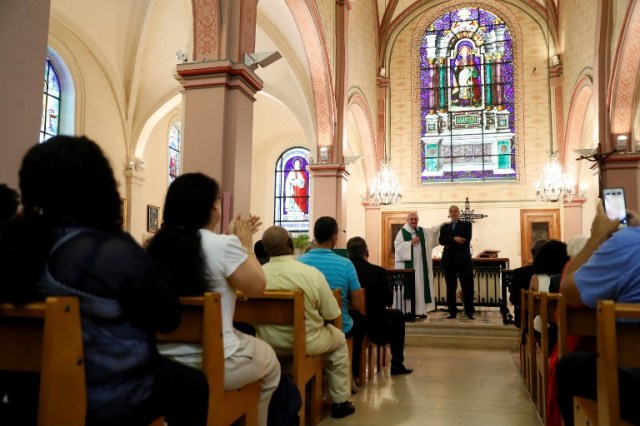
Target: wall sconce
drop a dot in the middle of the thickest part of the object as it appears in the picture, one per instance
(555, 61)
(621, 143)
(136, 165)
(582, 189)
(324, 154)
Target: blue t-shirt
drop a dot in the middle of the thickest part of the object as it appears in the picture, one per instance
(340, 273)
(613, 270)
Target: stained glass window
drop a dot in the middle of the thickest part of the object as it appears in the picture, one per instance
(291, 206)
(175, 142)
(50, 124)
(467, 98)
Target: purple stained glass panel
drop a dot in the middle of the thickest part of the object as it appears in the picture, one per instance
(51, 101)
(454, 80)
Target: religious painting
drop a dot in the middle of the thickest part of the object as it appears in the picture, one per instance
(292, 191)
(467, 102)
(152, 218)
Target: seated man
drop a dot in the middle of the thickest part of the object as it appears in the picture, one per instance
(284, 272)
(608, 267)
(383, 325)
(340, 274)
(521, 280)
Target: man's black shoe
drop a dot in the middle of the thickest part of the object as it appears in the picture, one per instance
(423, 316)
(451, 316)
(342, 409)
(471, 317)
(400, 369)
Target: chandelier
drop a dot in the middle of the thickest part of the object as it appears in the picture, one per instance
(385, 189)
(553, 185)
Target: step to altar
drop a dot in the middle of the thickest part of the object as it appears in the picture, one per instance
(486, 331)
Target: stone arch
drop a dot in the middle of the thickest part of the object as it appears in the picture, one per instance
(573, 137)
(359, 109)
(624, 76)
(309, 23)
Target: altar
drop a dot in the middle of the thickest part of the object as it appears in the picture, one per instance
(489, 285)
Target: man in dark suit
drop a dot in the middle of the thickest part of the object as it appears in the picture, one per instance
(383, 325)
(521, 279)
(456, 262)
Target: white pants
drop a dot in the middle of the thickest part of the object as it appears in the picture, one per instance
(253, 360)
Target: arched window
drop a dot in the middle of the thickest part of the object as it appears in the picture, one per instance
(467, 98)
(175, 143)
(51, 100)
(291, 204)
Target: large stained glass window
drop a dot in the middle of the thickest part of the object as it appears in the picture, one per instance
(175, 143)
(466, 90)
(291, 206)
(50, 124)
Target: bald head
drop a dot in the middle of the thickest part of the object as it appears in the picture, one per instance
(412, 220)
(277, 241)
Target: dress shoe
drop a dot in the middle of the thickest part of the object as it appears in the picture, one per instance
(400, 369)
(470, 317)
(342, 409)
(451, 316)
(423, 316)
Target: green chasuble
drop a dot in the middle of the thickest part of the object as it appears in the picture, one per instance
(406, 236)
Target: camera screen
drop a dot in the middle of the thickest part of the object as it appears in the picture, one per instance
(614, 204)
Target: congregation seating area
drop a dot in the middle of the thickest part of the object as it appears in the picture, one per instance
(53, 328)
(47, 338)
(616, 330)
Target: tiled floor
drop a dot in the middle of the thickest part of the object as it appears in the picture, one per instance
(448, 387)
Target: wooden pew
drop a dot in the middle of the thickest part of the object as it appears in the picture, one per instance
(576, 321)
(618, 347)
(287, 308)
(365, 342)
(47, 338)
(533, 309)
(202, 323)
(522, 334)
(370, 351)
(549, 304)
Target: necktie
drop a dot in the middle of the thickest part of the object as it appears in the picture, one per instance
(453, 226)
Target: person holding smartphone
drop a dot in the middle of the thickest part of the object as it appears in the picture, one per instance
(608, 267)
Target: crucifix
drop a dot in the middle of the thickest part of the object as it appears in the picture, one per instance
(468, 215)
(596, 157)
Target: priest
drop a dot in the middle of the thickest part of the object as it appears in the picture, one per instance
(413, 247)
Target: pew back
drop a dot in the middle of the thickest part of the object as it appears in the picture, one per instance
(617, 348)
(277, 307)
(202, 323)
(47, 338)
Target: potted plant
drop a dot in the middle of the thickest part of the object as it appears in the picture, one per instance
(300, 243)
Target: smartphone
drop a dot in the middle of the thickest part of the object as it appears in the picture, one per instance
(615, 205)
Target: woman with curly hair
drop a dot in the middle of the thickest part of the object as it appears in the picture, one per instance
(68, 240)
(197, 259)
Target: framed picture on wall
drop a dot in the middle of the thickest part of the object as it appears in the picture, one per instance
(123, 212)
(152, 218)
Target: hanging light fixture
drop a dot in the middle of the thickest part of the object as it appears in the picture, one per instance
(385, 189)
(553, 185)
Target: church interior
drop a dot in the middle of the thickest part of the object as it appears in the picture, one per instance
(518, 111)
(349, 84)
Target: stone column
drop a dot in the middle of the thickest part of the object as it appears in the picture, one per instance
(372, 230)
(572, 225)
(219, 93)
(329, 189)
(24, 29)
(134, 182)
